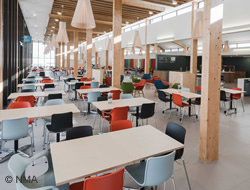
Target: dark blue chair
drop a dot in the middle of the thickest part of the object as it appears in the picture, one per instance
(146, 76)
(159, 85)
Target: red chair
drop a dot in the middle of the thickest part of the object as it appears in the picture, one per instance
(47, 81)
(18, 105)
(30, 99)
(84, 95)
(177, 100)
(238, 97)
(116, 94)
(139, 87)
(198, 89)
(120, 125)
(108, 81)
(113, 181)
(116, 114)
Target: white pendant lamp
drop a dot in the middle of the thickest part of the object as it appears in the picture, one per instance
(54, 42)
(198, 28)
(137, 41)
(109, 46)
(62, 35)
(226, 48)
(83, 16)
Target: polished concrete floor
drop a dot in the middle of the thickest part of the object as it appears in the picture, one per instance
(230, 172)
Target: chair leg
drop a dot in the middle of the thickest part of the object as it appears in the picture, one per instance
(33, 138)
(184, 165)
(32, 144)
(242, 105)
(155, 123)
(172, 178)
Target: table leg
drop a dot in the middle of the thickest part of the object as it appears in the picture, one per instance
(75, 95)
(231, 101)
(189, 108)
(16, 146)
(137, 113)
(171, 101)
(88, 108)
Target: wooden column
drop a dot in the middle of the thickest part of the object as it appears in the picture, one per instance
(96, 60)
(58, 56)
(68, 58)
(107, 60)
(122, 63)
(194, 43)
(1, 55)
(75, 53)
(211, 78)
(147, 50)
(63, 55)
(117, 46)
(89, 53)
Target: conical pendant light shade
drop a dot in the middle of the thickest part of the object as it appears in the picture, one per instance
(226, 47)
(198, 28)
(140, 53)
(54, 42)
(109, 46)
(62, 35)
(83, 16)
(132, 50)
(137, 41)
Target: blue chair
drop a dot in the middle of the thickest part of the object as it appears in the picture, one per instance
(128, 96)
(154, 171)
(159, 85)
(146, 76)
(94, 84)
(17, 166)
(92, 97)
(15, 129)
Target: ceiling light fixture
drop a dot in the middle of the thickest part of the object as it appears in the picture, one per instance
(83, 16)
(59, 13)
(150, 12)
(62, 35)
(56, 20)
(174, 2)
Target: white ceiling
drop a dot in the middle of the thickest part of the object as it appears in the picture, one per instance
(36, 14)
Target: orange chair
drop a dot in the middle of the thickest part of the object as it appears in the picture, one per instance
(30, 99)
(238, 97)
(198, 89)
(116, 94)
(177, 100)
(108, 81)
(47, 81)
(84, 95)
(120, 125)
(113, 181)
(139, 87)
(83, 79)
(17, 105)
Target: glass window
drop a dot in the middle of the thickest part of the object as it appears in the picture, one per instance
(135, 27)
(127, 29)
(158, 19)
(142, 24)
(170, 15)
(244, 45)
(184, 10)
(201, 5)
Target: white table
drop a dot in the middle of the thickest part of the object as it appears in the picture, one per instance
(35, 84)
(132, 102)
(38, 78)
(102, 90)
(96, 154)
(15, 95)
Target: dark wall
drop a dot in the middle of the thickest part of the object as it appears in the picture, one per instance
(163, 62)
(17, 56)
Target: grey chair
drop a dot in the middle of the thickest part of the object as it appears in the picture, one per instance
(13, 130)
(17, 166)
(153, 172)
(92, 97)
(128, 96)
(94, 84)
(29, 87)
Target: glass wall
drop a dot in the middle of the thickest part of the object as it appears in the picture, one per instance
(39, 58)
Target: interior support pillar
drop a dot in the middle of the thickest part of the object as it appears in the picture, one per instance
(211, 78)
(75, 53)
(1, 55)
(96, 60)
(68, 58)
(59, 56)
(89, 53)
(107, 60)
(63, 56)
(147, 50)
(194, 43)
(122, 63)
(117, 43)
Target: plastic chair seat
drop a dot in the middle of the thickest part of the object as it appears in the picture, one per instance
(136, 171)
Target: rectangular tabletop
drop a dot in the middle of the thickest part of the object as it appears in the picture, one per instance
(35, 84)
(38, 79)
(132, 102)
(14, 96)
(184, 94)
(73, 83)
(37, 112)
(231, 91)
(86, 91)
(92, 155)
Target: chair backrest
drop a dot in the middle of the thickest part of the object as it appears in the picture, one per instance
(30, 99)
(54, 96)
(47, 80)
(79, 132)
(120, 125)
(70, 79)
(103, 86)
(49, 86)
(78, 85)
(108, 81)
(158, 84)
(198, 89)
(49, 89)
(127, 87)
(14, 129)
(147, 110)
(17, 105)
(186, 89)
(146, 76)
(54, 102)
(119, 113)
(223, 96)
(116, 94)
(28, 90)
(30, 87)
(83, 78)
(94, 84)
(236, 96)
(92, 96)
(175, 85)
(159, 169)
(29, 82)
(162, 95)
(61, 122)
(85, 87)
(113, 181)
(177, 100)
(178, 133)
(126, 96)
